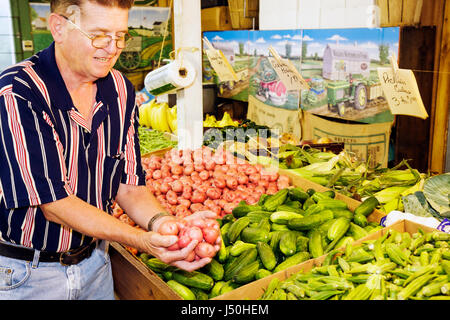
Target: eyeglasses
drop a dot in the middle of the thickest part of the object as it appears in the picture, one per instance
(102, 41)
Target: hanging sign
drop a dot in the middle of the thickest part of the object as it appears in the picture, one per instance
(220, 63)
(287, 72)
(401, 91)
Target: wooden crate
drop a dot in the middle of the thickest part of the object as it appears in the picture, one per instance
(216, 19)
(133, 280)
(401, 12)
(255, 289)
(244, 13)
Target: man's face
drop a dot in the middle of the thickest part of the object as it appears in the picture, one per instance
(86, 61)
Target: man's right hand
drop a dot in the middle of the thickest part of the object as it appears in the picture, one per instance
(156, 244)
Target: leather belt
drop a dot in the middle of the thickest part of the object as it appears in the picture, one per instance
(66, 258)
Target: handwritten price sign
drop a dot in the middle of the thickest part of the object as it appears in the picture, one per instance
(287, 72)
(401, 92)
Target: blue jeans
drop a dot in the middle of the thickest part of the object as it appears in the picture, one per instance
(91, 279)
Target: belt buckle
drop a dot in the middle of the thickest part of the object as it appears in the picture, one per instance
(68, 253)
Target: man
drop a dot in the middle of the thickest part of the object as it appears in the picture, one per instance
(69, 149)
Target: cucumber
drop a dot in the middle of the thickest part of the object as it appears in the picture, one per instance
(215, 270)
(297, 194)
(261, 273)
(310, 222)
(215, 291)
(257, 216)
(180, 289)
(315, 243)
(343, 213)
(275, 237)
(333, 204)
(156, 265)
(292, 261)
(254, 235)
(302, 243)
(245, 258)
(360, 220)
(240, 246)
(367, 206)
(275, 200)
(283, 217)
(266, 255)
(194, 279)
(288, 243)
(199, 294)
(242, 209)
(222, 255)
(235, 229)
(278, 227)
(247, 273)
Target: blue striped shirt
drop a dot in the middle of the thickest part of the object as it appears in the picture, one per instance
(48, 152)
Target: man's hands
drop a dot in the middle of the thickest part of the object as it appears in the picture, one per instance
(157, 244)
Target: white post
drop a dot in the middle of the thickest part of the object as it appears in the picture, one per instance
(188, 32)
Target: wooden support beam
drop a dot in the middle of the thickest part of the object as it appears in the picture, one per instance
(439, 118)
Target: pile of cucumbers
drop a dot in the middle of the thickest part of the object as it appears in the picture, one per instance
(280, 231)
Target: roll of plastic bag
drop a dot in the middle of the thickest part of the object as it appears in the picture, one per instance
(170, 78)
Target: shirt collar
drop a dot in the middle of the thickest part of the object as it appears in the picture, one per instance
(55, 84)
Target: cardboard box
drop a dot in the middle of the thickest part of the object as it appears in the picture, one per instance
(216, 19)
(366, 141)
(255, 289)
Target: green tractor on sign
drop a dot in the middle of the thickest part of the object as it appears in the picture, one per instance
(341, 93)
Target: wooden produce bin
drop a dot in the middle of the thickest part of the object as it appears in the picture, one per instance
(255, 289)
(133, 280)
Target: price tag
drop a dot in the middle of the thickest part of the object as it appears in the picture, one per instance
(287, 72)
(401, 92)
(220, 63)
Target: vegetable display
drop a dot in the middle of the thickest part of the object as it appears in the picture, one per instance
(153, 140)
(279, 231)
(396, 266)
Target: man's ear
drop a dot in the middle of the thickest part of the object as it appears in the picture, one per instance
(56, 25)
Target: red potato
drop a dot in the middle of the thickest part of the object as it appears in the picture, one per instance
(224, 168)
(204, 175)
(182, 211)
(164, 187)
(190, 257)
(177, 186)
(197, 207)
(199, 167)
(176, 169)
(172, 197)
(166, 174)
(232, 182)
(232, 172)
(184, 202)
(242, 178)
(254, 177)
(183, 241)
(205, 250)
(210, 165)
(195, 233)
(198, 196)
(250, 170)
(188, 169)
(169, 227)
(228, 207)
(263, 183)
(229, 196)
(213, 193)
(174, 247)
(210, 234)
(168, 179)
(157, 174)
(220, 183)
